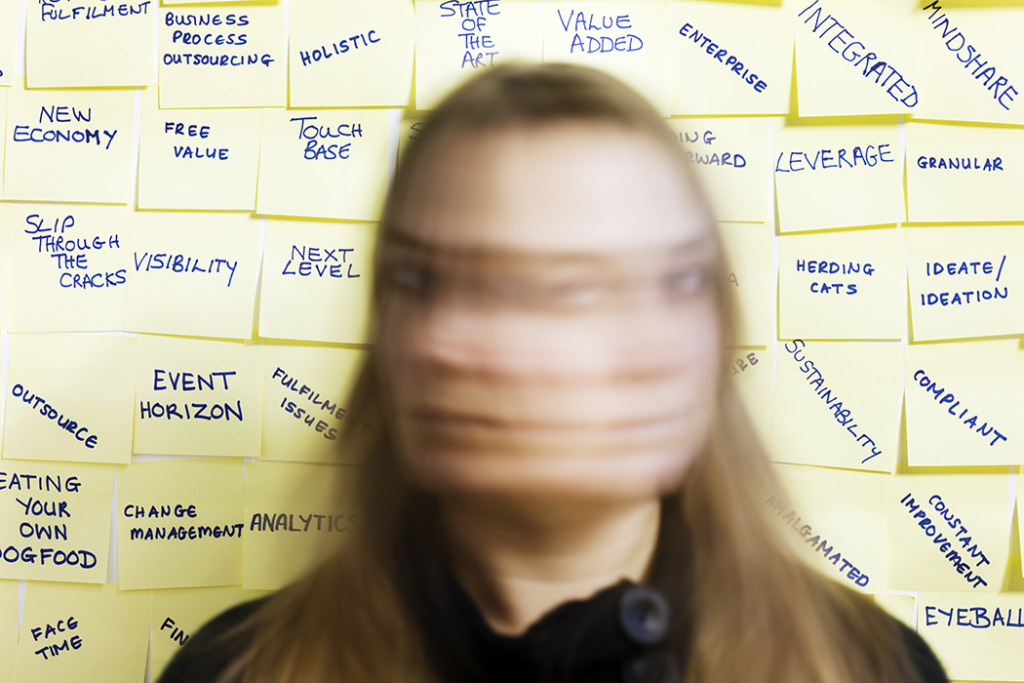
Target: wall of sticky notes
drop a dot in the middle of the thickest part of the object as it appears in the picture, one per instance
(187, 217)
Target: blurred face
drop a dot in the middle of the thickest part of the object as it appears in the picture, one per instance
(552, 327)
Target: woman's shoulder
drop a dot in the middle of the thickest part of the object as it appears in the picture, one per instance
(209, 651)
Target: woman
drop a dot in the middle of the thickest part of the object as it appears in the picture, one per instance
(561, 484)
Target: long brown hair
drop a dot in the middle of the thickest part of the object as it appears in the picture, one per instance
(758, 613)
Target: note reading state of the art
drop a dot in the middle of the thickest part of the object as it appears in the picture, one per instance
(70, 267)
(92, 634)
(295, 515)
(203, 159)
(964, 403)
(731, 58)
(856, 57)
(456, 39)
(958, 173)
(965, 281)
(8, 41)
(352, 53)
(84, 43)
(837, 404)
(750, 371)
(975, 64)
(328, 267)
(8, 629)
(305, 402)
(223, 57)
(748, 248)
(843, 285)
(83, 138)
(836, 518)
(732, 159)
(198, 397)
(68, 398)
(948, 532)
(193, 274)
(979, 636)
(837, 176)
(179, 613)
(55, 518)
(179, 524)
(626, 38)
(323, 163)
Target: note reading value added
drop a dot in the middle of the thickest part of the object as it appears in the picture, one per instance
(223, 57)
(56, 521)
(731, 58)
(454, 40)
(68, 396)
(625, 38)
(70, 267)
(345, 54)
(965, 281)
(198, 397)
(837, 404)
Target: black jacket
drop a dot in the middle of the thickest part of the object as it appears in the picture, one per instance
(624, 633)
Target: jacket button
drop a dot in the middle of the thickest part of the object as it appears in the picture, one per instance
(654, 667)
(644, 613)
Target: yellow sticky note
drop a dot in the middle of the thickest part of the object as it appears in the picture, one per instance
(202, 159)
(843, 285)
(223, 57)
(5, 262)
(70, 267)
(958, 173)
(305, 401)
(948, 532)
(857, 57)
(837, 176)
(56, 518)
(178, 614)
(326, 266)
(350, 53)
(903, 607)
(749, 252)
(964, 403)
(626, 38)
(965, 281)
(8, 40)
(454, 40)
(838, 404)
(733, 162)
(409, 130)
(193, 274)
(975, 66)
(71, 146)
(753, 377)
(977, 636)
(836, 520)
(179, 523)
(68, 398)
(731, 58)
(3, 127)
(296, 515)
(198, 397)
(8, 629)
(323, 163)
(93, 634)
(113, 43)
